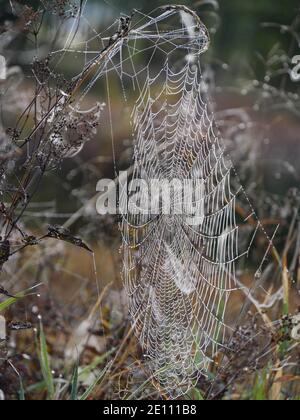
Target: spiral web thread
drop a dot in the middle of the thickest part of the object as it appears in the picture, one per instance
(179, 278)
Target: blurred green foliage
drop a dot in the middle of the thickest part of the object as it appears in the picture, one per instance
(240, 33)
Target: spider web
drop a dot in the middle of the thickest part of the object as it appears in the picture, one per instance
(179, 278)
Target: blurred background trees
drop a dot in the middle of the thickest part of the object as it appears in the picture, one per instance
(257, 108)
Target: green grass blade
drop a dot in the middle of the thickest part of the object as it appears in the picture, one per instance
(97, 382)
(21, 391)
(87, 370)
(8, 302)
(260, 386)
(45, 364)
(195, 395)
(74, 383)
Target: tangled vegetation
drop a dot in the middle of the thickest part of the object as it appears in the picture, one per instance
(65, 333)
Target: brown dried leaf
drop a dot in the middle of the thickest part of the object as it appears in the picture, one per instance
(62, 234)
(288, 378)
(4, 252)
(5, 292)
(18, 326)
